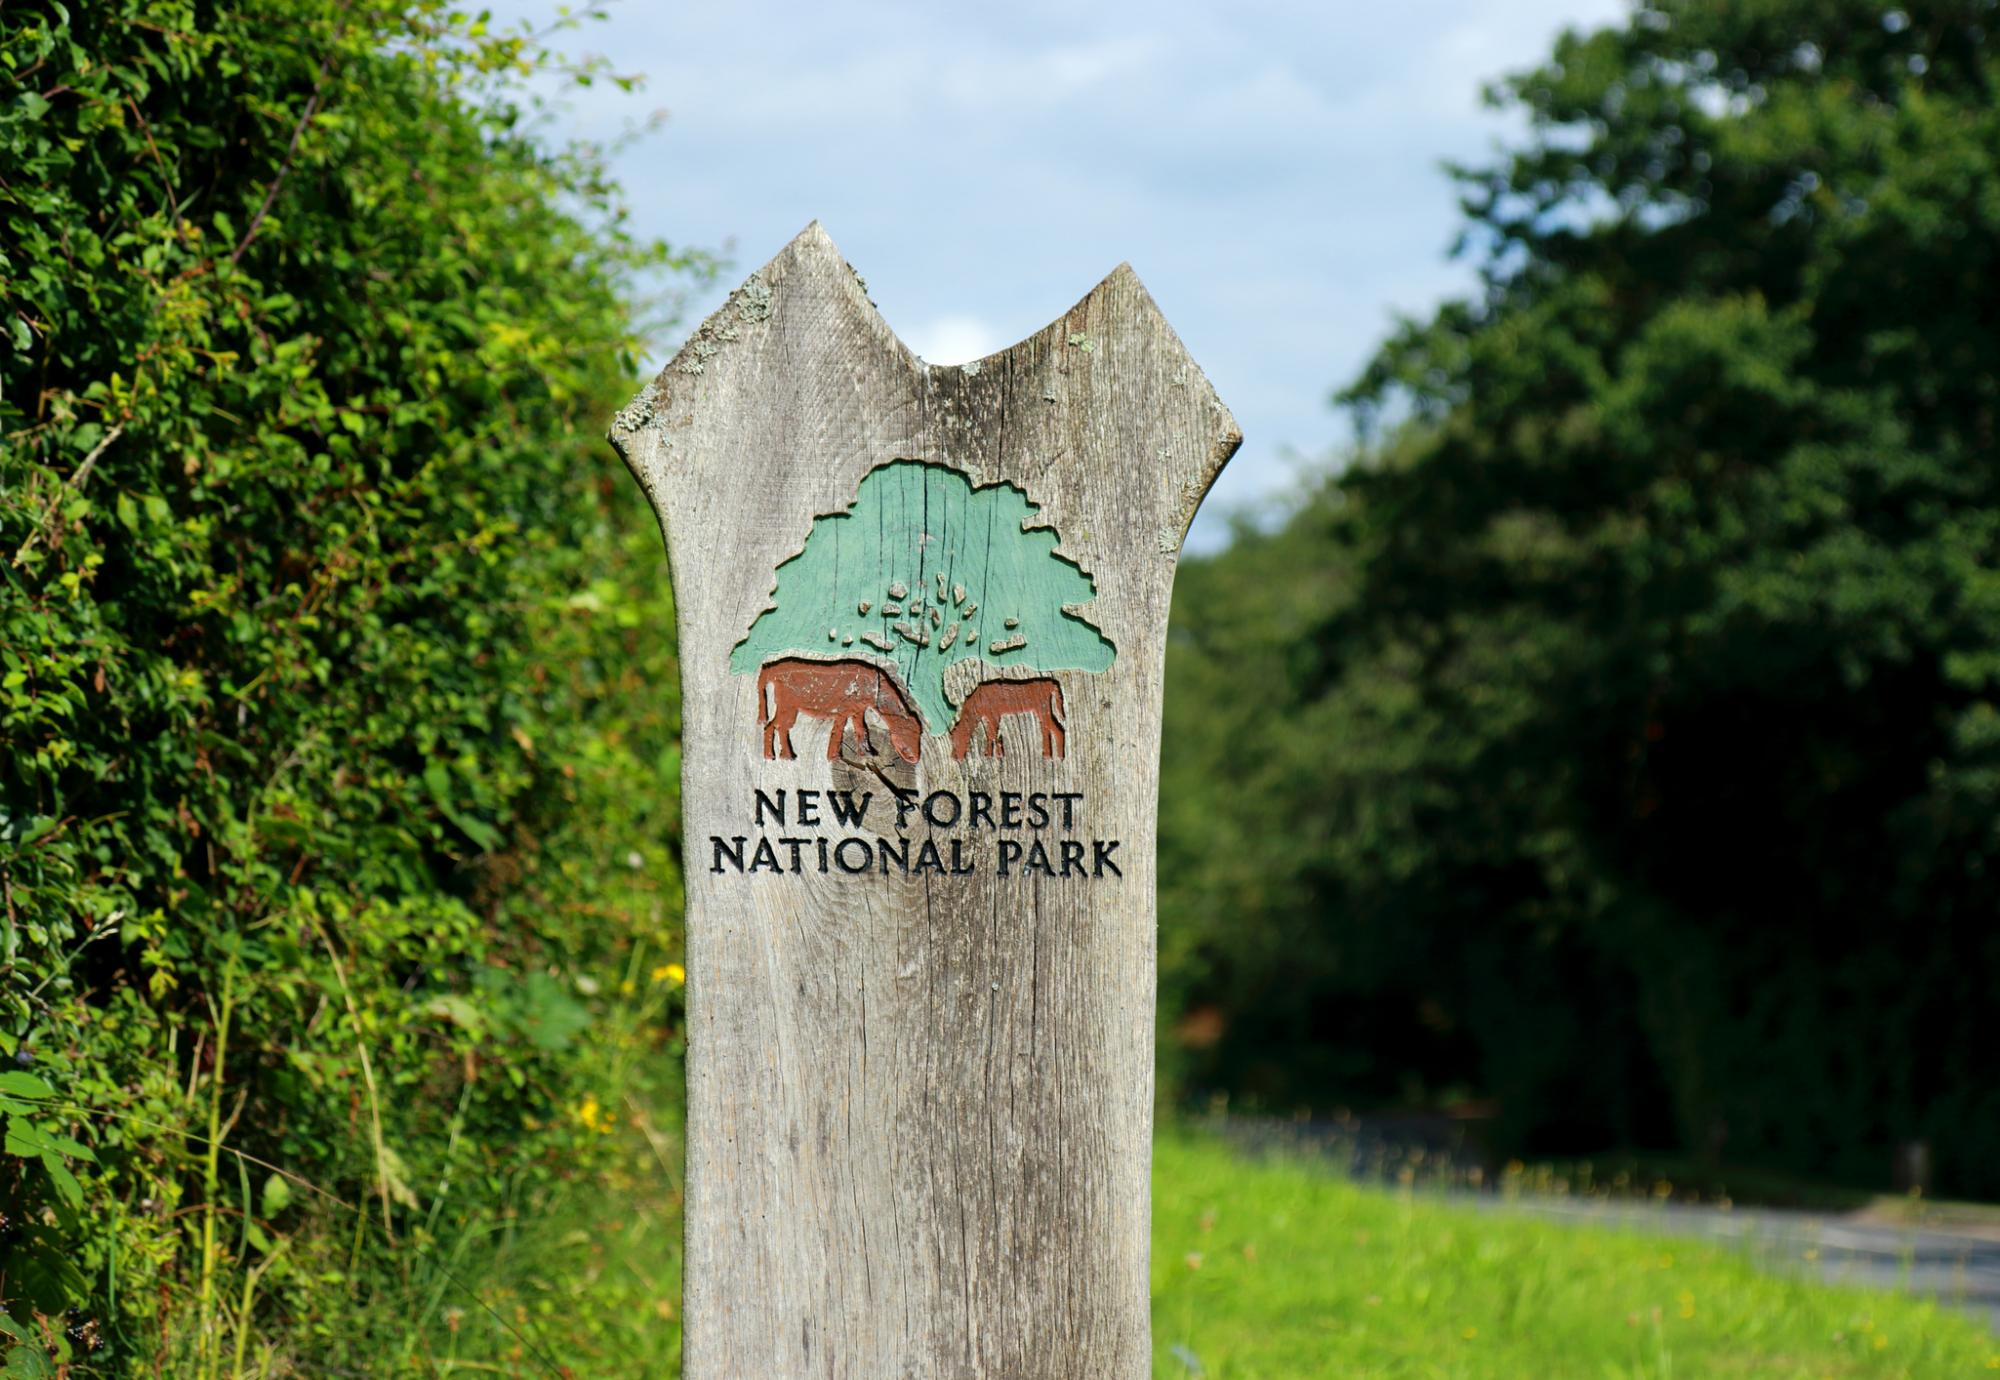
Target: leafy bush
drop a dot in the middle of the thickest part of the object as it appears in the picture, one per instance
(337, 806)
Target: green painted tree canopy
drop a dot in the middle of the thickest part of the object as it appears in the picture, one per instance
(924, 570)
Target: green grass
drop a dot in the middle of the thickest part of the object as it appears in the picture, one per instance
(1278, 1270)
(1271, 1270)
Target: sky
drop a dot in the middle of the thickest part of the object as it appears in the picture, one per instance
(1272, 171)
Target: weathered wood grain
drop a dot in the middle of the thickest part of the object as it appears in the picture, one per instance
(919, 1106)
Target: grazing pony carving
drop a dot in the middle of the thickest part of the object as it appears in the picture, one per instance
(840, 691)
(993, 700)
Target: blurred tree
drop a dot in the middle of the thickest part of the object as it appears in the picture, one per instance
(1644, 735)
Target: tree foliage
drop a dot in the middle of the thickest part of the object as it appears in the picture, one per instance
(1646, 714)
(337, 712)
(923, 571)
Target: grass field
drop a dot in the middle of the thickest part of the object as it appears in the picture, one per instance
(1277, 1270)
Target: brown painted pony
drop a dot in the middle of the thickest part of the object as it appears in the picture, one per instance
(840, 691)
(993, 700)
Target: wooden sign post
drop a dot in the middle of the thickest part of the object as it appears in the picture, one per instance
(922, 616)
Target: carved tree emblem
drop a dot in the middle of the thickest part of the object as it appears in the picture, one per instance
(924, 570)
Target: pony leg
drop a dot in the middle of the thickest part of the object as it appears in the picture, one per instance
(836, 740)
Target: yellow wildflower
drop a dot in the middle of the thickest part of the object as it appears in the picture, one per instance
(670, 972)
(590, 1114)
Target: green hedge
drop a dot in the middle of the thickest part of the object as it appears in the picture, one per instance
(338, 799)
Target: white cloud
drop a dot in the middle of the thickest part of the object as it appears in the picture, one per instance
(955, 339)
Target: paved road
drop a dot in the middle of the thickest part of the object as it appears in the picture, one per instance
(1959, 1267)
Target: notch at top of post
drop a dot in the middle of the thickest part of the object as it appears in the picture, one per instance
(836, 292)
